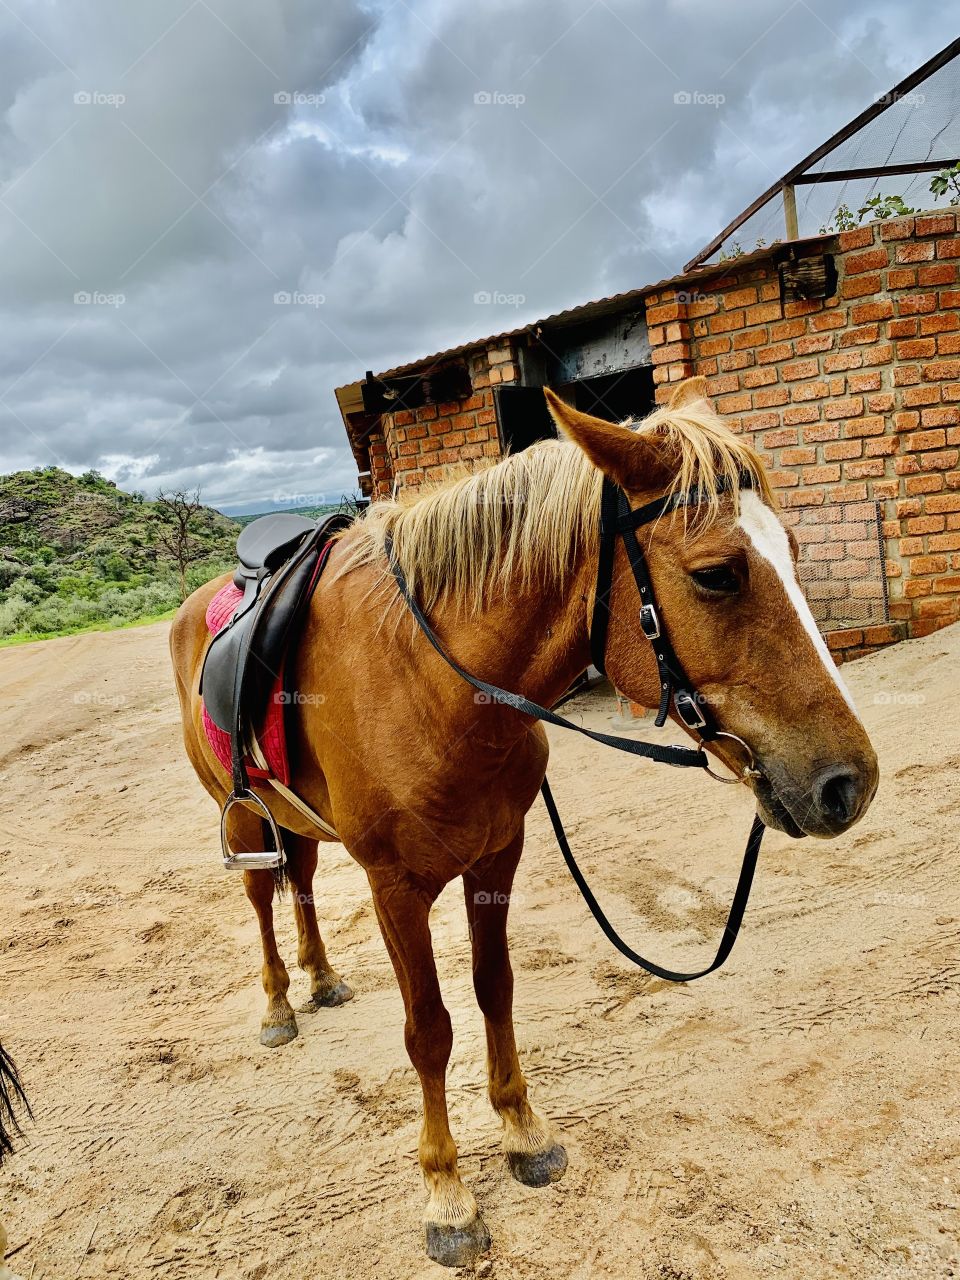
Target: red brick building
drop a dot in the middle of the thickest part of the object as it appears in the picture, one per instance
(839, 355)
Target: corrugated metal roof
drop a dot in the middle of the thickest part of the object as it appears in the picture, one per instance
(602, 306)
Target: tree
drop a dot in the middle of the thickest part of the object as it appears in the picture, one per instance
(174, 534)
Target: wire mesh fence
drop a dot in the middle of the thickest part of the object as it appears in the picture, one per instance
(842, 565)
(914, 127)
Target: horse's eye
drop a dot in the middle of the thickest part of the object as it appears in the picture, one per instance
(719, 580)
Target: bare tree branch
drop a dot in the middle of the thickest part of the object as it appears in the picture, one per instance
(175, 536)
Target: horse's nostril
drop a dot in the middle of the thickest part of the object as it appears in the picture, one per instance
(837, 793)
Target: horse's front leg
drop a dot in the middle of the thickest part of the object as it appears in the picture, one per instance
(456, 1233)
(533, 1154)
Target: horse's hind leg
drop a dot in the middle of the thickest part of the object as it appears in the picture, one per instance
(535, 1158)
(327, 988)
(279, 1024)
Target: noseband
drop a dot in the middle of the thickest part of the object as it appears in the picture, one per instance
(618, 519)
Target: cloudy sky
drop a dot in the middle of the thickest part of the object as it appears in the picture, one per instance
(181, 163)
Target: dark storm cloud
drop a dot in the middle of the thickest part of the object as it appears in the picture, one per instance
(183, 164)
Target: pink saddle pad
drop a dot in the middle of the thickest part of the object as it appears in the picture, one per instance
(271, 732)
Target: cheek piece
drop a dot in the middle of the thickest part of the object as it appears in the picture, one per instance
(618, 519)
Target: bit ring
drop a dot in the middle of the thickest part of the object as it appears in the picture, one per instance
(749, 769)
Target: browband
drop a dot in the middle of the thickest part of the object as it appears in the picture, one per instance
(673, 502)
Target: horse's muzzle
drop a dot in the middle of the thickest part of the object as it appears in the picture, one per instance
(830, 803)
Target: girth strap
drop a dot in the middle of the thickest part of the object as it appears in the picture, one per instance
(260, 760)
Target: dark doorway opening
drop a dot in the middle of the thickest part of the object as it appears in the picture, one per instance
(523, 417)
(616, 396)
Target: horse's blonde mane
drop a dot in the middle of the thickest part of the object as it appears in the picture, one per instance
(526, 518)
(707, 456)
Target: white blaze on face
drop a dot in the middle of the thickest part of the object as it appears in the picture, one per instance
(769, 539)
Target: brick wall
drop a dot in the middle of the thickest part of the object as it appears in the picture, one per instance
(850, 399)
(418, 445)
(853, 400)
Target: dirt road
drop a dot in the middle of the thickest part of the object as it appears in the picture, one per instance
(796, 1115)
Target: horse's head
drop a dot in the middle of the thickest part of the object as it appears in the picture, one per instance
(727, 592)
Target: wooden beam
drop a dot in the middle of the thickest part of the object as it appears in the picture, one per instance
(871, 171)
(875, 109)
(708, 250)
(790, 213)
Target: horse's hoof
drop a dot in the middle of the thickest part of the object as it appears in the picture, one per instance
(457, 1246)
(279, 1034)
(539, 1168)
(340, 994)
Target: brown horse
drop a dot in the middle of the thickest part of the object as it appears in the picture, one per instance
(437, 784)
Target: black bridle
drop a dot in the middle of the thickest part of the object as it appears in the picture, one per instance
(618, 519)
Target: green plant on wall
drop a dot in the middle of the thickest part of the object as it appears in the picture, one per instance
(947, 182)
(880, 207)
(842, 220)
(876, 208)
(735, 251)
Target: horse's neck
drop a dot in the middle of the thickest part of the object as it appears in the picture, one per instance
(526, 640)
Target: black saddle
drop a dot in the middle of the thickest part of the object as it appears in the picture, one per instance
(280, 559)
(270, 542)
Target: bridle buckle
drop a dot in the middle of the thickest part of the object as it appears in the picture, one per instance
(688, 710)
(649, 622)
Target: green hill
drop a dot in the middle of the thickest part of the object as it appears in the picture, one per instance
(76, 552)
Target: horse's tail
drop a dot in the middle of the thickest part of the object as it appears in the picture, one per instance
(12, 1099)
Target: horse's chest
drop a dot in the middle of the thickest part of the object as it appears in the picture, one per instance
(447, 813)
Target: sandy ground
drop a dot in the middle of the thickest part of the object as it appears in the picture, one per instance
(794, 1116)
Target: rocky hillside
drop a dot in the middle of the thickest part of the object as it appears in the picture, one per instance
(77, 551)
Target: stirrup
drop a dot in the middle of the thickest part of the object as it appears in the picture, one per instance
(252, 860)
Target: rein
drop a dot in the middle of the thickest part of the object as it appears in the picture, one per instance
(618, 519)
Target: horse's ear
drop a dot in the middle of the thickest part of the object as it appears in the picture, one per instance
(632, 461)
(688, 392)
